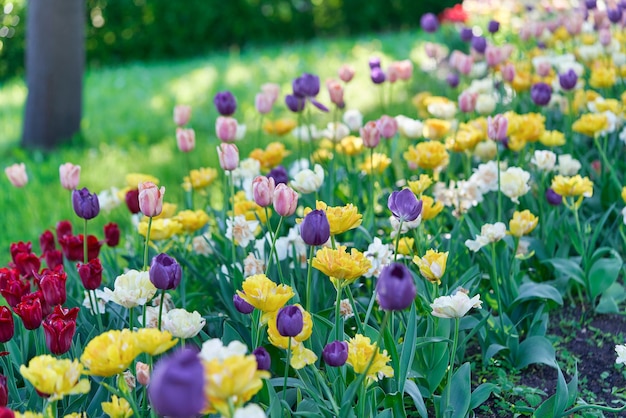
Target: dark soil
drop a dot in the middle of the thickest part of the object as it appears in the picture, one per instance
(586, 341)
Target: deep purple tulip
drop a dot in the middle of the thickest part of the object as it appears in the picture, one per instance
(374, 62)
(395, 289)
(279, 174)
(541, 93)
(176, 386)
(378, 75)
(493, 26)
(429, 22)
(453, 80)
(294, 103)
(622, 4)
(289, 321)
(165, 272)
(225, 103)
(479, 44)
(307, 85)
(466, 34)
(615, 15)
(553, 197)
(86, 205)
(241, 305)
(568, 79)
(263, 359)
(590, 4)
(404, 205)
(315, 229)
(335, 354)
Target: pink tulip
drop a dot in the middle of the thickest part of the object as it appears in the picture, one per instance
(370, 134)
(508, 72)
(263, 190)
(272, 90)
(335, 91)
(494, 55)
(285, 200)
(465, 64)
(182, 114)
(263, 103)
(346, 73)
(405, 69)
(387, 126)
(69, 175)
(185, 139)
(497, 127)
(17, 174)
(543, 68)
(467, 101)
(226, 128)
(150, 198)
(228, 155)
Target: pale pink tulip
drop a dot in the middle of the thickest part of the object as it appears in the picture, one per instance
(150, 198)
(228, 155)
(17, 174)
(185, 139)
(69, 175)
(285, 200)
(182, 114)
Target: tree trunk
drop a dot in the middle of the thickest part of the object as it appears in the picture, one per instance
(55, 61)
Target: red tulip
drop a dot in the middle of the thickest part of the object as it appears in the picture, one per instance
(52, 285)
(112, 234)
(7, 326)
(30, 310)
(46, 242)
(64, 228)
(59, 328)
(54, 259)
(90, 274)
(72, 246)
(12, 287)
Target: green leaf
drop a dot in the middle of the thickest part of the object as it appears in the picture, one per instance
(567, 268)
(460, 392)
(492, 350)
(532, 290)
(394, 402)
(535, 349)
(611, 299)
(603, 273)
(482, 393)
(408, 349)
(413, 391)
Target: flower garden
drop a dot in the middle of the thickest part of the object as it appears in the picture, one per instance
(411, 264)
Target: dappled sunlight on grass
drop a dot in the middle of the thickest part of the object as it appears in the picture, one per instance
(193, 87)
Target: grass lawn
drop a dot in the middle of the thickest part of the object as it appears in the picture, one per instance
(128, 127)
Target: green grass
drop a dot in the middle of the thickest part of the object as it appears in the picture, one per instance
(127, 119)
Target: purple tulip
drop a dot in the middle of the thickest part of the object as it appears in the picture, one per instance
(307, 85)
(404, 205)
(568, 79)
(335, 354)
(466, 34)
(294, 103)
(86, 205)
(453, 80)
(165, 272)
(590, 4)
(241, 305)
(225, 103)
(176, 386)
(315, 229)
(263, 359)
(279, 174)
(541, 93)
(553, 197)
(614, 15)
(289, 321)
(374, 62)
(493, 26)
(377, 75)
(395, 289)
(429, 22)
(479, 44)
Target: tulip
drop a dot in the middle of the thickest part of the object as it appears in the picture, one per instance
(228, 155)
(335, 354)
(453, 80)
(374, 62)
(142, 370)
(497, 127)
(53, 258)
(177, 385)
(6, 412)
(395, 287)
(315, 228)
(182, 114)
(70, 175)
(226, 129)
(165, 272)
(335, 91)
(150, 198)
(85, 204)
(279, 174)
(272, 90)
(30, 311)
(404, 205)
(263, 103)
(387, 126)
(377, 75)
(467, 101)
(46, 242)
(508, 72)
(132, 201)
(73, 247)
(541, 93)
(493, 26)
(455, 306)
(263, 359)
(225, 103)
(185, 139)
(307, 85)
(429, 22)
(553, 197)
(263, 190)
(27, 263)
(90, 274)
(241, 305)
(12, 287)
(52, 285)
(346, 73)
(59, 328)
(63, 228)
(466, 34)
(7, 326)
(479, 44)
(289, 321)
(294, 103)
(370, 134)
(614, 15)
(112, 234)
(16, 174)
(285, 200)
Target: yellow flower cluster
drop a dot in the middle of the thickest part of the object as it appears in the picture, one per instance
(420, 185)
(264, 294)
(350, 145)
(360, 352)
(436, 129)
(271, 156)
(522, 223)
(571, 187)
(590, 124)
(279, 126)
(377, 161)
(340, 218)
(200, 178)
(465, 138)
(111, 352)
(162, 228)
(248, 208)
(191, 220)
(55, 377)
(430, 208)
(427, 155)
(524, 128)
(341, 267)
(117, 408)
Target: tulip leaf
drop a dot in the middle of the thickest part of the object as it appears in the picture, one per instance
(408, 349)
(532, 290)
(535, 349)
(603, 273)
(567, 268)
(611, 298)
(460, 393)
(482, 393)
(492, 350)
(413, 391)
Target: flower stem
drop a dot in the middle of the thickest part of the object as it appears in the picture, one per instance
(499, 212)
(395, 254)
(496, 287)
(452, 358)
(85, 246)
(273, 248)
(145, 251)
(232, 218)
(338, 322)
(161, 308)
(371, 187)
(287, 369)
(308, 280)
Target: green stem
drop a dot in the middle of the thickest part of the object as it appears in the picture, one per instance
(309, 293)
(496, 286)
(606, 163)
(232, 218)
(287, 369)
(273, 249)
(338, 319)
(584, 250)
(452, 359)
(499, 212)
(371, 188)
(354, 310)
(85, 246)
(130, 318)
(146, 246)
(395, 254)
(161, 308)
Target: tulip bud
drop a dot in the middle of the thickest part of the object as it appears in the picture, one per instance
(466, 34)
(467, 101)
(553, 197)
(285, 200)
(541, 93)
(279, 174)
(493, 26)
(295, 103)
(508, 72)
(395, 289)
(479, 44)
(346, 73)
(53, 258)
(263, 103)
(263, 190)
(142, 370)
(16, 174)
(112, 234)
(6, 412)
(225, 103)
(370, 134)
(315, 228)
(241, 305)
(497, 127)
(46, 242)
(52, 285)
(387, 126)
(13, 288)
(7, 326)
(335, 91)
(453, 80)
(185, 139)
(228, 155)
(226, 129)
(335, 354)
(429, 22)
(63, 229)
(90, 274)
(272, 90)
(404, 206)
(30, 311)
(129, 379)
(289, 321)
(70, 175)
(150, 198)
(165, 272)
(568, 79)
(377, 75)
(132, 201)
(85, 204)
(263, 359)
(182, 114)
(59, 328)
